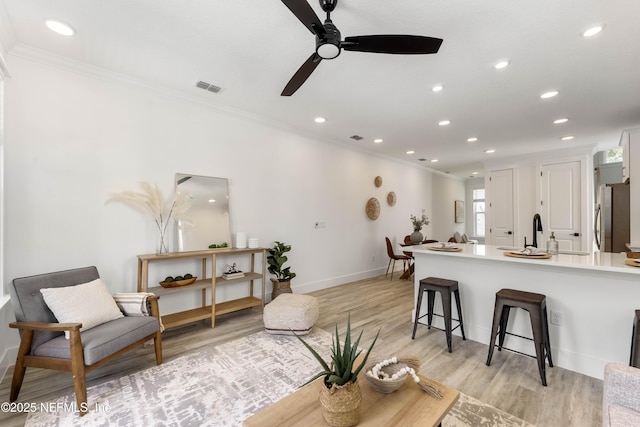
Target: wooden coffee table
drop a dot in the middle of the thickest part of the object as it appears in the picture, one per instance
(407, 406)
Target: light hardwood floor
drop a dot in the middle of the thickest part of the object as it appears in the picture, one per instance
(511, 383)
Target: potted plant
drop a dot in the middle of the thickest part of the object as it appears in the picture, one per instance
(417, 237)
(340, 394)
(275, 261)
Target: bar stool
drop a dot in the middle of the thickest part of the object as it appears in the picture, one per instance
(635, 342)
(431, 285)
(536, 305)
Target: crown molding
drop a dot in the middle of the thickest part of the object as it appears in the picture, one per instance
(43, 57)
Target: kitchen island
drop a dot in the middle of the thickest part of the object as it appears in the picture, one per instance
(593, 297)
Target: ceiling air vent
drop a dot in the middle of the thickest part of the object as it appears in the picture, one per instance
(356, 137)
(208, 86)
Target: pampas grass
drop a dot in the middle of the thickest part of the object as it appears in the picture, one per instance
(150, 201)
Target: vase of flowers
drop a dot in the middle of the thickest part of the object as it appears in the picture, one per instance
(340, 395)
(150, 201)
(417, 237)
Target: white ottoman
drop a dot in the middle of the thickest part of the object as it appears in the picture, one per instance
(291, 313)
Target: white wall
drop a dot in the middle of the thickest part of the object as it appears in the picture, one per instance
(446, 190)
(72, 139)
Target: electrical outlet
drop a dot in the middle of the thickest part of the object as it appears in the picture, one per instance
(556, 318)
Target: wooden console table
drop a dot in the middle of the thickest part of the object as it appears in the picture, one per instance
(207, 281)
(407, 406)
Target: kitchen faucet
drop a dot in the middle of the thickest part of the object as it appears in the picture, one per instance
(536, 219)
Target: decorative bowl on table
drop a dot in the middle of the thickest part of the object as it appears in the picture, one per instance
(176, 283)
(382, 380)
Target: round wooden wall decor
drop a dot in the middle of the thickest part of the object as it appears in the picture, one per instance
(391, 198)
(378, 181)
(373, 208)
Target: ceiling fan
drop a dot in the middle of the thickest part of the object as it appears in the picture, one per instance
(329, 44)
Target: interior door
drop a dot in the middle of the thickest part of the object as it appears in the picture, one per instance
(501, 207)
(560, 200)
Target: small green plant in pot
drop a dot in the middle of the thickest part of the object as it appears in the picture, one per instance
(275, 262)
(341, 396)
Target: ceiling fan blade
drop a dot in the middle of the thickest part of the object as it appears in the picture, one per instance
(301, 75)
(392, 43)
(303, 11)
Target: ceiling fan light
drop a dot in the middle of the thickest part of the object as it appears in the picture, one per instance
(328, 51)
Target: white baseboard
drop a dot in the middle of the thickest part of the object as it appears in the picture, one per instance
(337, 281)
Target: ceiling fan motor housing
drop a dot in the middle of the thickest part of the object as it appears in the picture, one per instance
(328, 47)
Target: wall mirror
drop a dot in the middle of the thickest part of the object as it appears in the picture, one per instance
(209, 213)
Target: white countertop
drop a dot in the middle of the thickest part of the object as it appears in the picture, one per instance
(601, 261)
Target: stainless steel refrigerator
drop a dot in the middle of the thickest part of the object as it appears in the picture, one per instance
(612, 218)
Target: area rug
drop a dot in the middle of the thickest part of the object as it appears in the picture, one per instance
(221, 386)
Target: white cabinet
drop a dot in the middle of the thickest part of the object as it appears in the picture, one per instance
(626, 155)
(207, 309)
(630, 143)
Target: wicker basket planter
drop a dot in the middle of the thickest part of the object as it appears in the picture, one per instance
(341, 404)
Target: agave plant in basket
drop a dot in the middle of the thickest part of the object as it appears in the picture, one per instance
(341, 397)
(341, 368)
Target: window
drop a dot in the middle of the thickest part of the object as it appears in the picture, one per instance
(613, 155)
(478, 212)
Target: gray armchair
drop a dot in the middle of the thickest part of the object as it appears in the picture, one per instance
(43, 343)
(621, 396)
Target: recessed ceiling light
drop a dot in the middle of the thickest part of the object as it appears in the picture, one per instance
(472, 139)
(437, 88)
(490, 151)
(378, 141)
(59, 27)
(434, 160)
(567, 138)
(592, 31)
(560, 121)
(474, 173)
(319, 120)
(502, 64)
(549, 94)
(444, 122)
(212, 200)
(410, 152)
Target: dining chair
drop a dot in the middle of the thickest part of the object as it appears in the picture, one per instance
(393, 258)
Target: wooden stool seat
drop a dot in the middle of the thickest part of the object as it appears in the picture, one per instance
(536, 305)
(431, 285)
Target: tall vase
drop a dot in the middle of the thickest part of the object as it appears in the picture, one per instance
(341, 404)
(162, 248)
(416, 237)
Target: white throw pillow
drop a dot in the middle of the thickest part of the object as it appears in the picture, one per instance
(89, 303)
